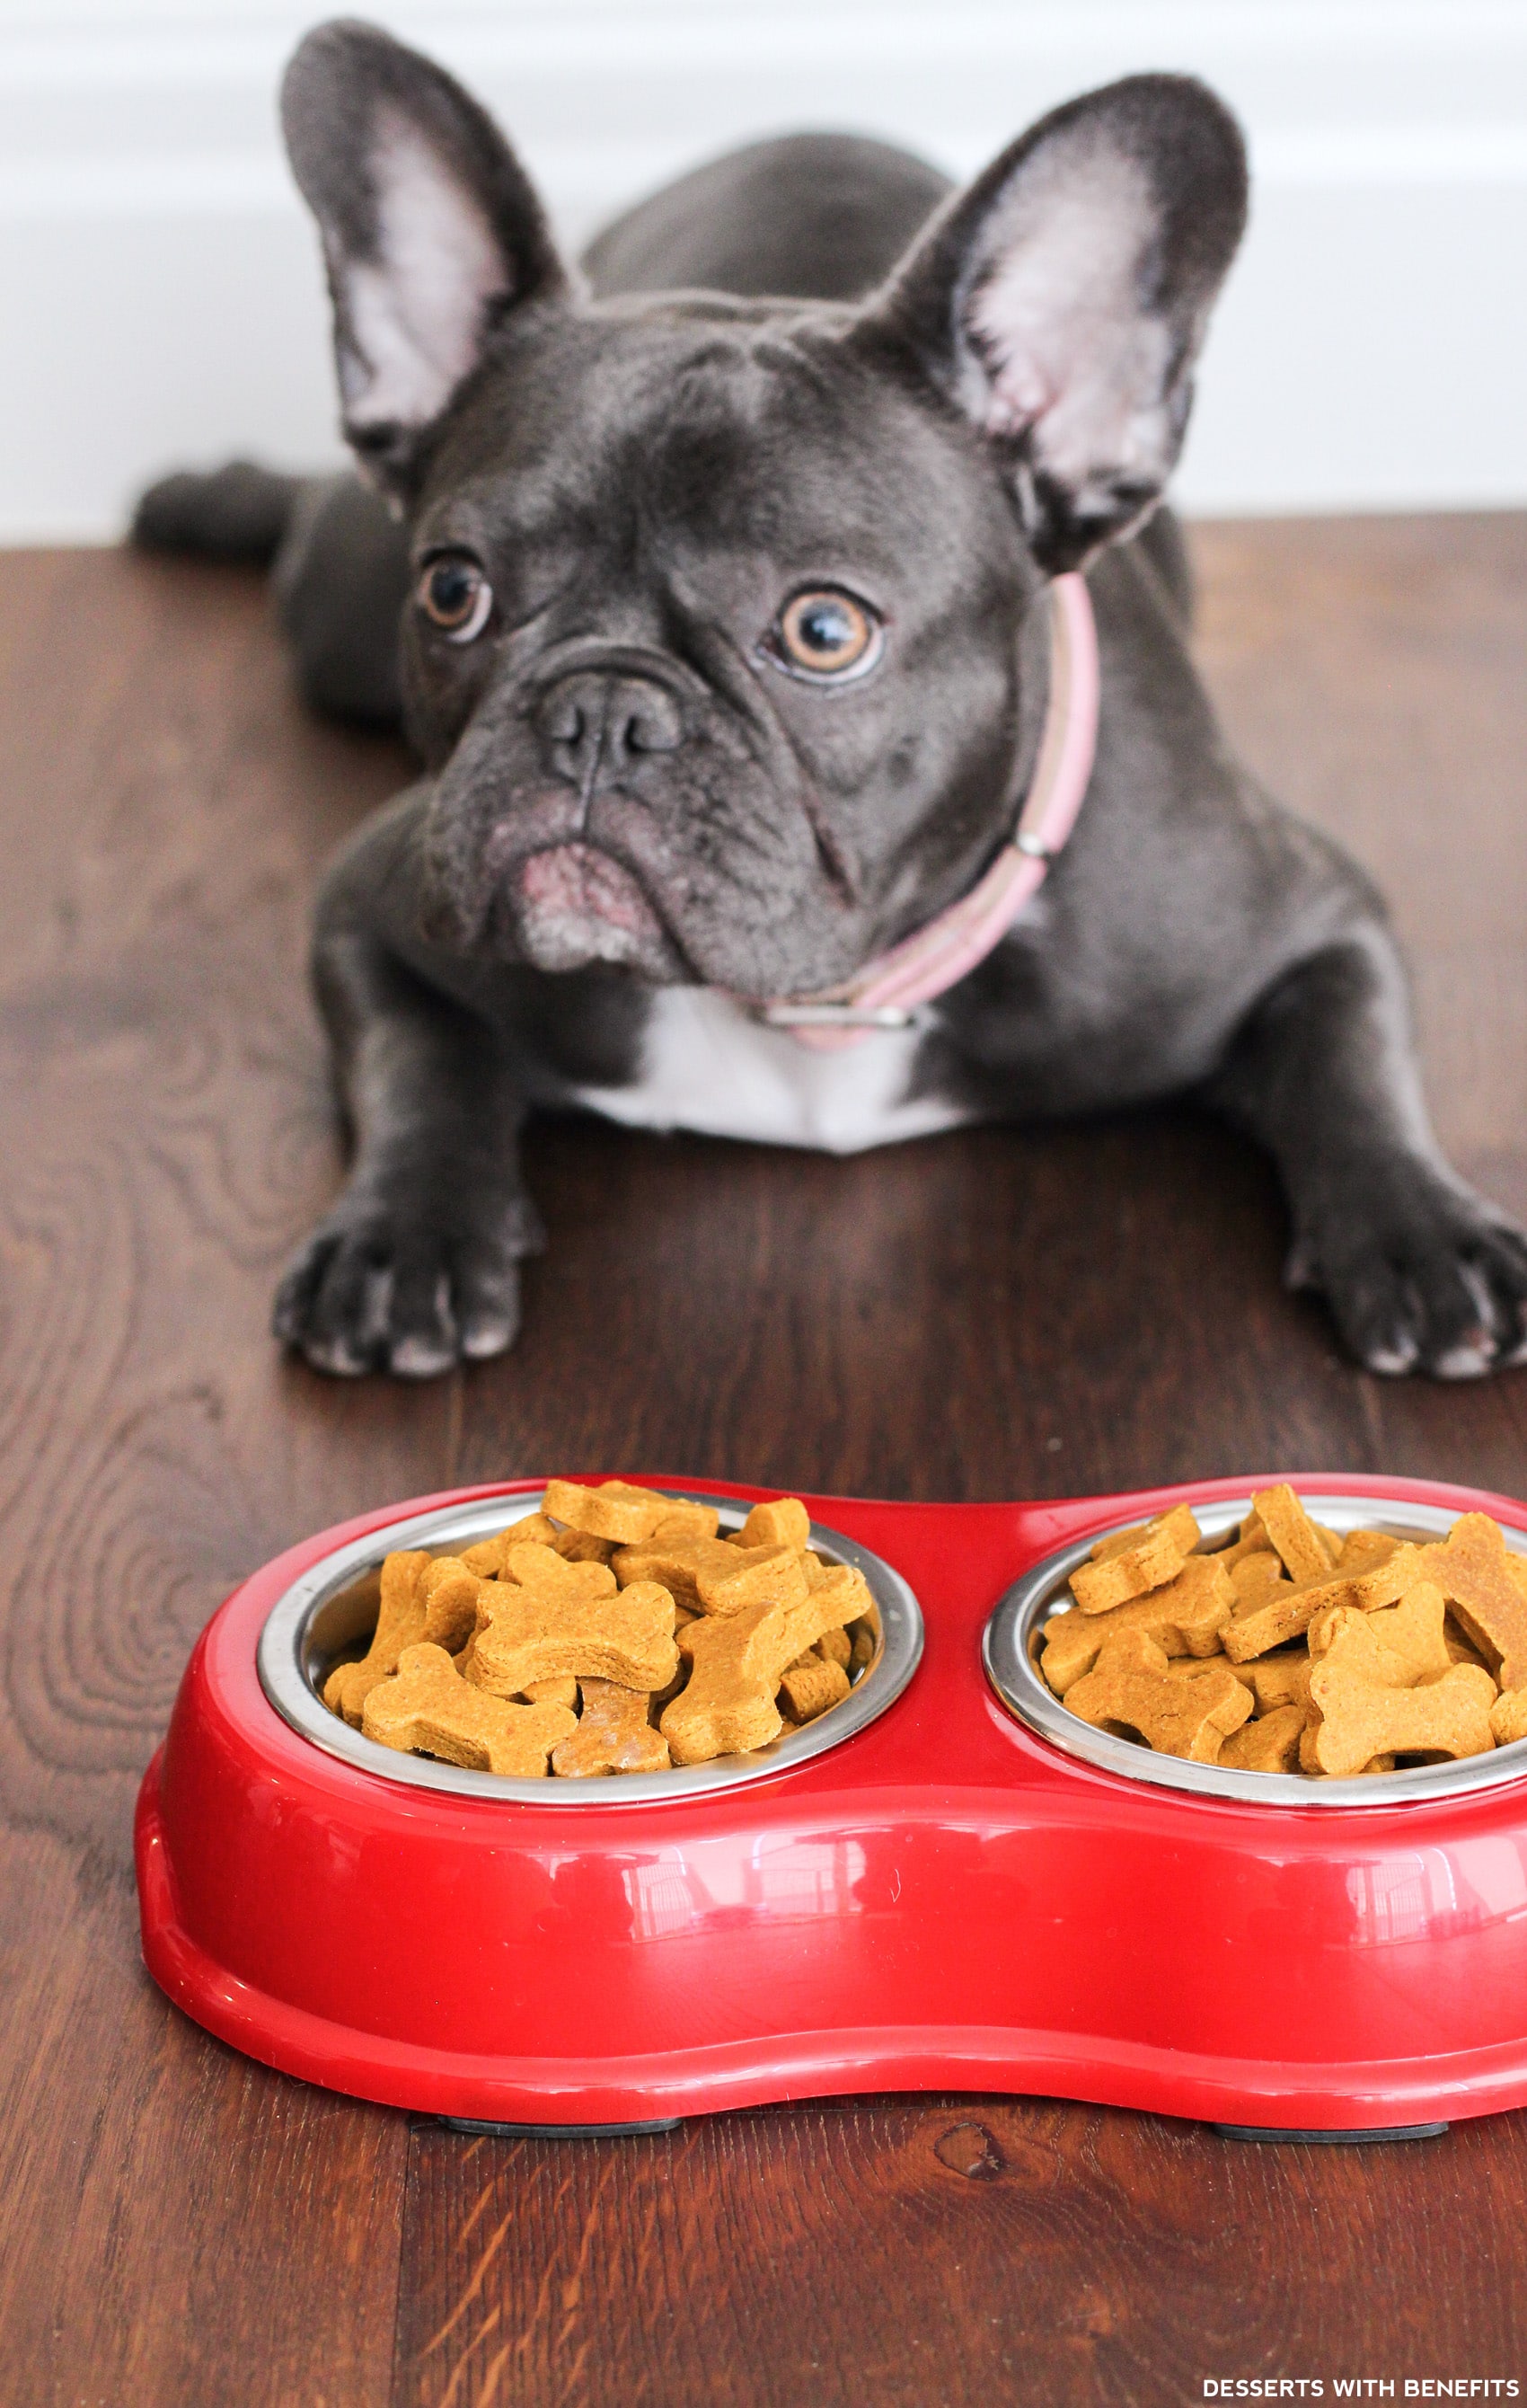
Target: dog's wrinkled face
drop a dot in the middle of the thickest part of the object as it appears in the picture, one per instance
(714, 640)
(721, 641)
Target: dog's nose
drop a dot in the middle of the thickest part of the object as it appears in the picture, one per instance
(596, 725)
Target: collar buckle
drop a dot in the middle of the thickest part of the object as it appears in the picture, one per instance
(842, 1015)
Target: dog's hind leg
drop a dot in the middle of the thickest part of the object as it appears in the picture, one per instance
(1420, 1273)
(238, 513)
(341, 581)
(341, 570)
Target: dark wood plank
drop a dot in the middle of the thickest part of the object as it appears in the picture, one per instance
(178, 2224)
(993, 1313)
(909, 2252)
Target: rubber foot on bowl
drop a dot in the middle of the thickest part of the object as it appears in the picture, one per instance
(559, 2131)
(1351, 2140)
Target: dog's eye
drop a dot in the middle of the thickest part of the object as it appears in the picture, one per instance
(455, 596)
(826, 634)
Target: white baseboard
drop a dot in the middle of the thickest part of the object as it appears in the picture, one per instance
(162, 301)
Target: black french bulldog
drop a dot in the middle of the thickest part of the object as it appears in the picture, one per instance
(726, 647)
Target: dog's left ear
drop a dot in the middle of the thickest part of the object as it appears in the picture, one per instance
(1060, 302)
(431, 231)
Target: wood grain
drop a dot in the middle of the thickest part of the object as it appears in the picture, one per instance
(910, 2252)
(995, 1313)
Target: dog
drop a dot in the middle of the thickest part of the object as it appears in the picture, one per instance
(740, 634)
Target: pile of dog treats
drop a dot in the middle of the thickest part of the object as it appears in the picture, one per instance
(1294, 1649)
(614, 1632)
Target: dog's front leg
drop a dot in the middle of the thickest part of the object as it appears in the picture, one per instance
(1419, 1271)
(418, 1265)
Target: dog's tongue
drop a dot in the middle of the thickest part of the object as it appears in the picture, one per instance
(576, 905)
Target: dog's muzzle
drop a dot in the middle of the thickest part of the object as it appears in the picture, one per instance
(576, 905)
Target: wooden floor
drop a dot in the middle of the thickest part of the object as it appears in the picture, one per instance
(982, 1315)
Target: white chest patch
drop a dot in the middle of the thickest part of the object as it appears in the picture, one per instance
(709, 1066)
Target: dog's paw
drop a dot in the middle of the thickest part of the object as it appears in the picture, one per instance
(380, 1288)
(1426, 1277)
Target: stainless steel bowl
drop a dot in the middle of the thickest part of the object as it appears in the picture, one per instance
(333, 1606)
(1007, 1650)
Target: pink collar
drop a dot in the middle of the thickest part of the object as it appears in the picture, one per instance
(885, 992)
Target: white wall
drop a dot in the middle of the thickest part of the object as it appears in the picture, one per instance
(158, 286)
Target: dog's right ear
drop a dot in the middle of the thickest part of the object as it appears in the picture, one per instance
(430, 229)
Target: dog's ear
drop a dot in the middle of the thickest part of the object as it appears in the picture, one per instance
(1061, 300)
(431, 230)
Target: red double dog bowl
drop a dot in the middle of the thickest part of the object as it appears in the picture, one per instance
(948, 1883)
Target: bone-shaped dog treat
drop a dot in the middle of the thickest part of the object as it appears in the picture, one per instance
(1508, 1717)
(582, 1547)
(1361, 1719)
(786, 1523)
(613, 1735)
(715, 1576)
(1281, 1679)
(775, 1573)
(449, 1588)
(1461, 1650)
(684, 1520)
(1130, 1687)
(535, 1530)
(675, 1562)
(845, 1586)
(427, 1707)
(1346, 1639)
(570, 1564)
(1286, 1612)
(549, 1575)
(1270, 1745)
(811, 1686)
(1361, 1550)
(1200, 1600)
(1154, 1554)
(1185, 1618)
(1292, 1534)
(1487, 1589)
(1250, 1540)
(840, 1596)
(658, 1699)
(1402, 1645)
(614, 1509)
(1279, 1613)
(1117, 1542)
(400, 1623)
(537, 1634)
(1188, 1667)
(1255, 1577)
(729, 1703)
(487, 1557)
(799, 1629)
(558, 1693)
